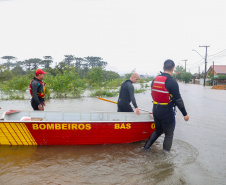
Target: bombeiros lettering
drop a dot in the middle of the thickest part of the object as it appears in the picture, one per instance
(63, 126)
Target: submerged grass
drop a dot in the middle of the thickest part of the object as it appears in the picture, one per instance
(104, 93)
(139, 90)
(13, 97)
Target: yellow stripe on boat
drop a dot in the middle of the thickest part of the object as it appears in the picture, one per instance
(28, 134)
(15, 134)
(4, 136)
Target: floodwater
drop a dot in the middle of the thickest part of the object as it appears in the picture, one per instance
(198, 154)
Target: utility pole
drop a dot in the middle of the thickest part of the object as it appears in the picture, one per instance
(205, 64)
(185, 64)
(213, 72)
(199, 72)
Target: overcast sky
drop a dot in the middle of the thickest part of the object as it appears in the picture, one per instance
(128, 34)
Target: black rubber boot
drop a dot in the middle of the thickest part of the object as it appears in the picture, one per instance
(151, 140)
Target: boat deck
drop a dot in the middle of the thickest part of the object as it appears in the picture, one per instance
(59, 116)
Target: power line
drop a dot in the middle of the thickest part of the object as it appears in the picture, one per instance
(198, 62)
(195, 66)
(219, 56)
(217, 53)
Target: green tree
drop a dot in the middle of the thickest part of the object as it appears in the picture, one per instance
(78, 63)
(5, 74)
(95, 62)
(222, 77)
(32, 63)
(65, 85)
(95, 76)
(113, 84)
(110, 75)
(27, 64)
(186, 77)
(47, 61)
(20, 84)
(69, 59)
(179, 69)
(177, 76)
(35, 63)
(59, 69)
(210, 75)
(16, 87)
(18, 70)
(8, 64)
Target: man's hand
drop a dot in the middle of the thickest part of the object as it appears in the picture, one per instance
(186, 118)
(137, 111)
(44, 103)
(40, 107)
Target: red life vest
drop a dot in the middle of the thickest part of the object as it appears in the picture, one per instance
(41, 94)
(159, 92)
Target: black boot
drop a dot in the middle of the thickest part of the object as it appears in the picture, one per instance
(151, 140)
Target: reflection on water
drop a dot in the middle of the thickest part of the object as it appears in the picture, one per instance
(197, 156)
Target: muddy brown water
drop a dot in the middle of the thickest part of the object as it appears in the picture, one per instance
(198, 154)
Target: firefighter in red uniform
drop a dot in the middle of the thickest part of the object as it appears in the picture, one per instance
(37, 90)
(166, 95)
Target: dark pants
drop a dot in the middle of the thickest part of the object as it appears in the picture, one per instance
(35, 105)
(124, 106)
(164, 119)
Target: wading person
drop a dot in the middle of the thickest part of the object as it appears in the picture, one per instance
(166, 95)
(37, 90)
(126, 95)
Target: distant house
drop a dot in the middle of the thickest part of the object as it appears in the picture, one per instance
(217, 70)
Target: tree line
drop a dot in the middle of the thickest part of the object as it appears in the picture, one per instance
(69, 60)
(181, 75)
(68, 79)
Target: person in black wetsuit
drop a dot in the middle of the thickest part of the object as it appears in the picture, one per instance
(126, 95)
(166, 95)
(37, 90)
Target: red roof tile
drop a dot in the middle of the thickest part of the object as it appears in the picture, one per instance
(219, 69)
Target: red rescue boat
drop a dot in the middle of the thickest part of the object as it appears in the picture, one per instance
(73, 128)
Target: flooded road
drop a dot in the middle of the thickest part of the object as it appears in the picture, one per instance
(198, 154)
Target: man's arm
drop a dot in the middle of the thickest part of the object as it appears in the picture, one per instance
(174, 90)
(131, 94)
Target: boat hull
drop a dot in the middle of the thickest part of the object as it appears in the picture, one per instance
(73, 128)
(73, 133)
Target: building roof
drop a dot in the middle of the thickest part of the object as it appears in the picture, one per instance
(219, 69)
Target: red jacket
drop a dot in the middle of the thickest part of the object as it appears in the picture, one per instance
(159, 92)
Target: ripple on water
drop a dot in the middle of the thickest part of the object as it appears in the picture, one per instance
(103, 164)
(162, 168)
